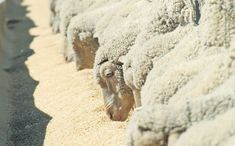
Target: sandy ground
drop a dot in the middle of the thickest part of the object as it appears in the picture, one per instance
(54, 105)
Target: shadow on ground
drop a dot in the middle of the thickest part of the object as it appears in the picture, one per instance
(28, 123)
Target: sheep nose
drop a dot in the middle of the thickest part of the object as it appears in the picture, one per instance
(110, 114)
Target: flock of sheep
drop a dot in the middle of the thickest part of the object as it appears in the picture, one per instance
(173, 60)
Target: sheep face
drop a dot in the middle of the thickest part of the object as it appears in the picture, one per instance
(118, 97)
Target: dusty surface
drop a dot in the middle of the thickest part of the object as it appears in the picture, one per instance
(54, 105)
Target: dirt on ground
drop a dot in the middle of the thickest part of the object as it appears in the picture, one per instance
(53, 104)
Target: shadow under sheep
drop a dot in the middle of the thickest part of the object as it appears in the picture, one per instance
(28, 123)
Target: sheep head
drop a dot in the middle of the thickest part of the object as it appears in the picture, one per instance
(118, 97)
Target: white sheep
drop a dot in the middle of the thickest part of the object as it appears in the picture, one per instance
(139, 61)
(85, 11)
(229, 142)
(192, 83)
(80, 34)
(55, 7)
(117, 32)
(174, 20)
(155, 124)
(68, 10)
(144, 20)
(196, 48)
(219, 132)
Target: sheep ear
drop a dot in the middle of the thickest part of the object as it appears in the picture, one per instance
(121, 59)
(103, 61)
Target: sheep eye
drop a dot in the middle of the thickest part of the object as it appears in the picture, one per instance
(108, 73)
(119, 63)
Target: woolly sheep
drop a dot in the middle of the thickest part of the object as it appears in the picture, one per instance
(139, 61)
(52, 4)
(115, 39)
(187, 79)
(159, 122)
(135, 77)
(195, 48)
(138, 26)
(210, 132)
(80, 34)
(70, 9)
(108, 23)
(67, 11)
(55, 7)
(152, 21)
(229, 142)
(195, 79)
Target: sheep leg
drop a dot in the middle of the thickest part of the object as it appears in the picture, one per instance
(137, 98)
(67, 51)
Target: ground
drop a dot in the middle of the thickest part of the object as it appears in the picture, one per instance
(53, 104)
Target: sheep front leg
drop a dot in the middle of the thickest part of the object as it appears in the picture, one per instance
(137, 98)
(67, 50)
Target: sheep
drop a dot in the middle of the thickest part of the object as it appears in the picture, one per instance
(157, 22)
(61, 11)
(135, 77)
(144, 56)
(182, 80)
(116, 38)
(70, 9)
(205, 133)
(55, 7)
(113, 23)
(139, 30)
(195, 80)
(153, 125)
(52, 11)
(229, 142)
(80, 35)
(67, 11)
(145, 52)
(196, 48)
